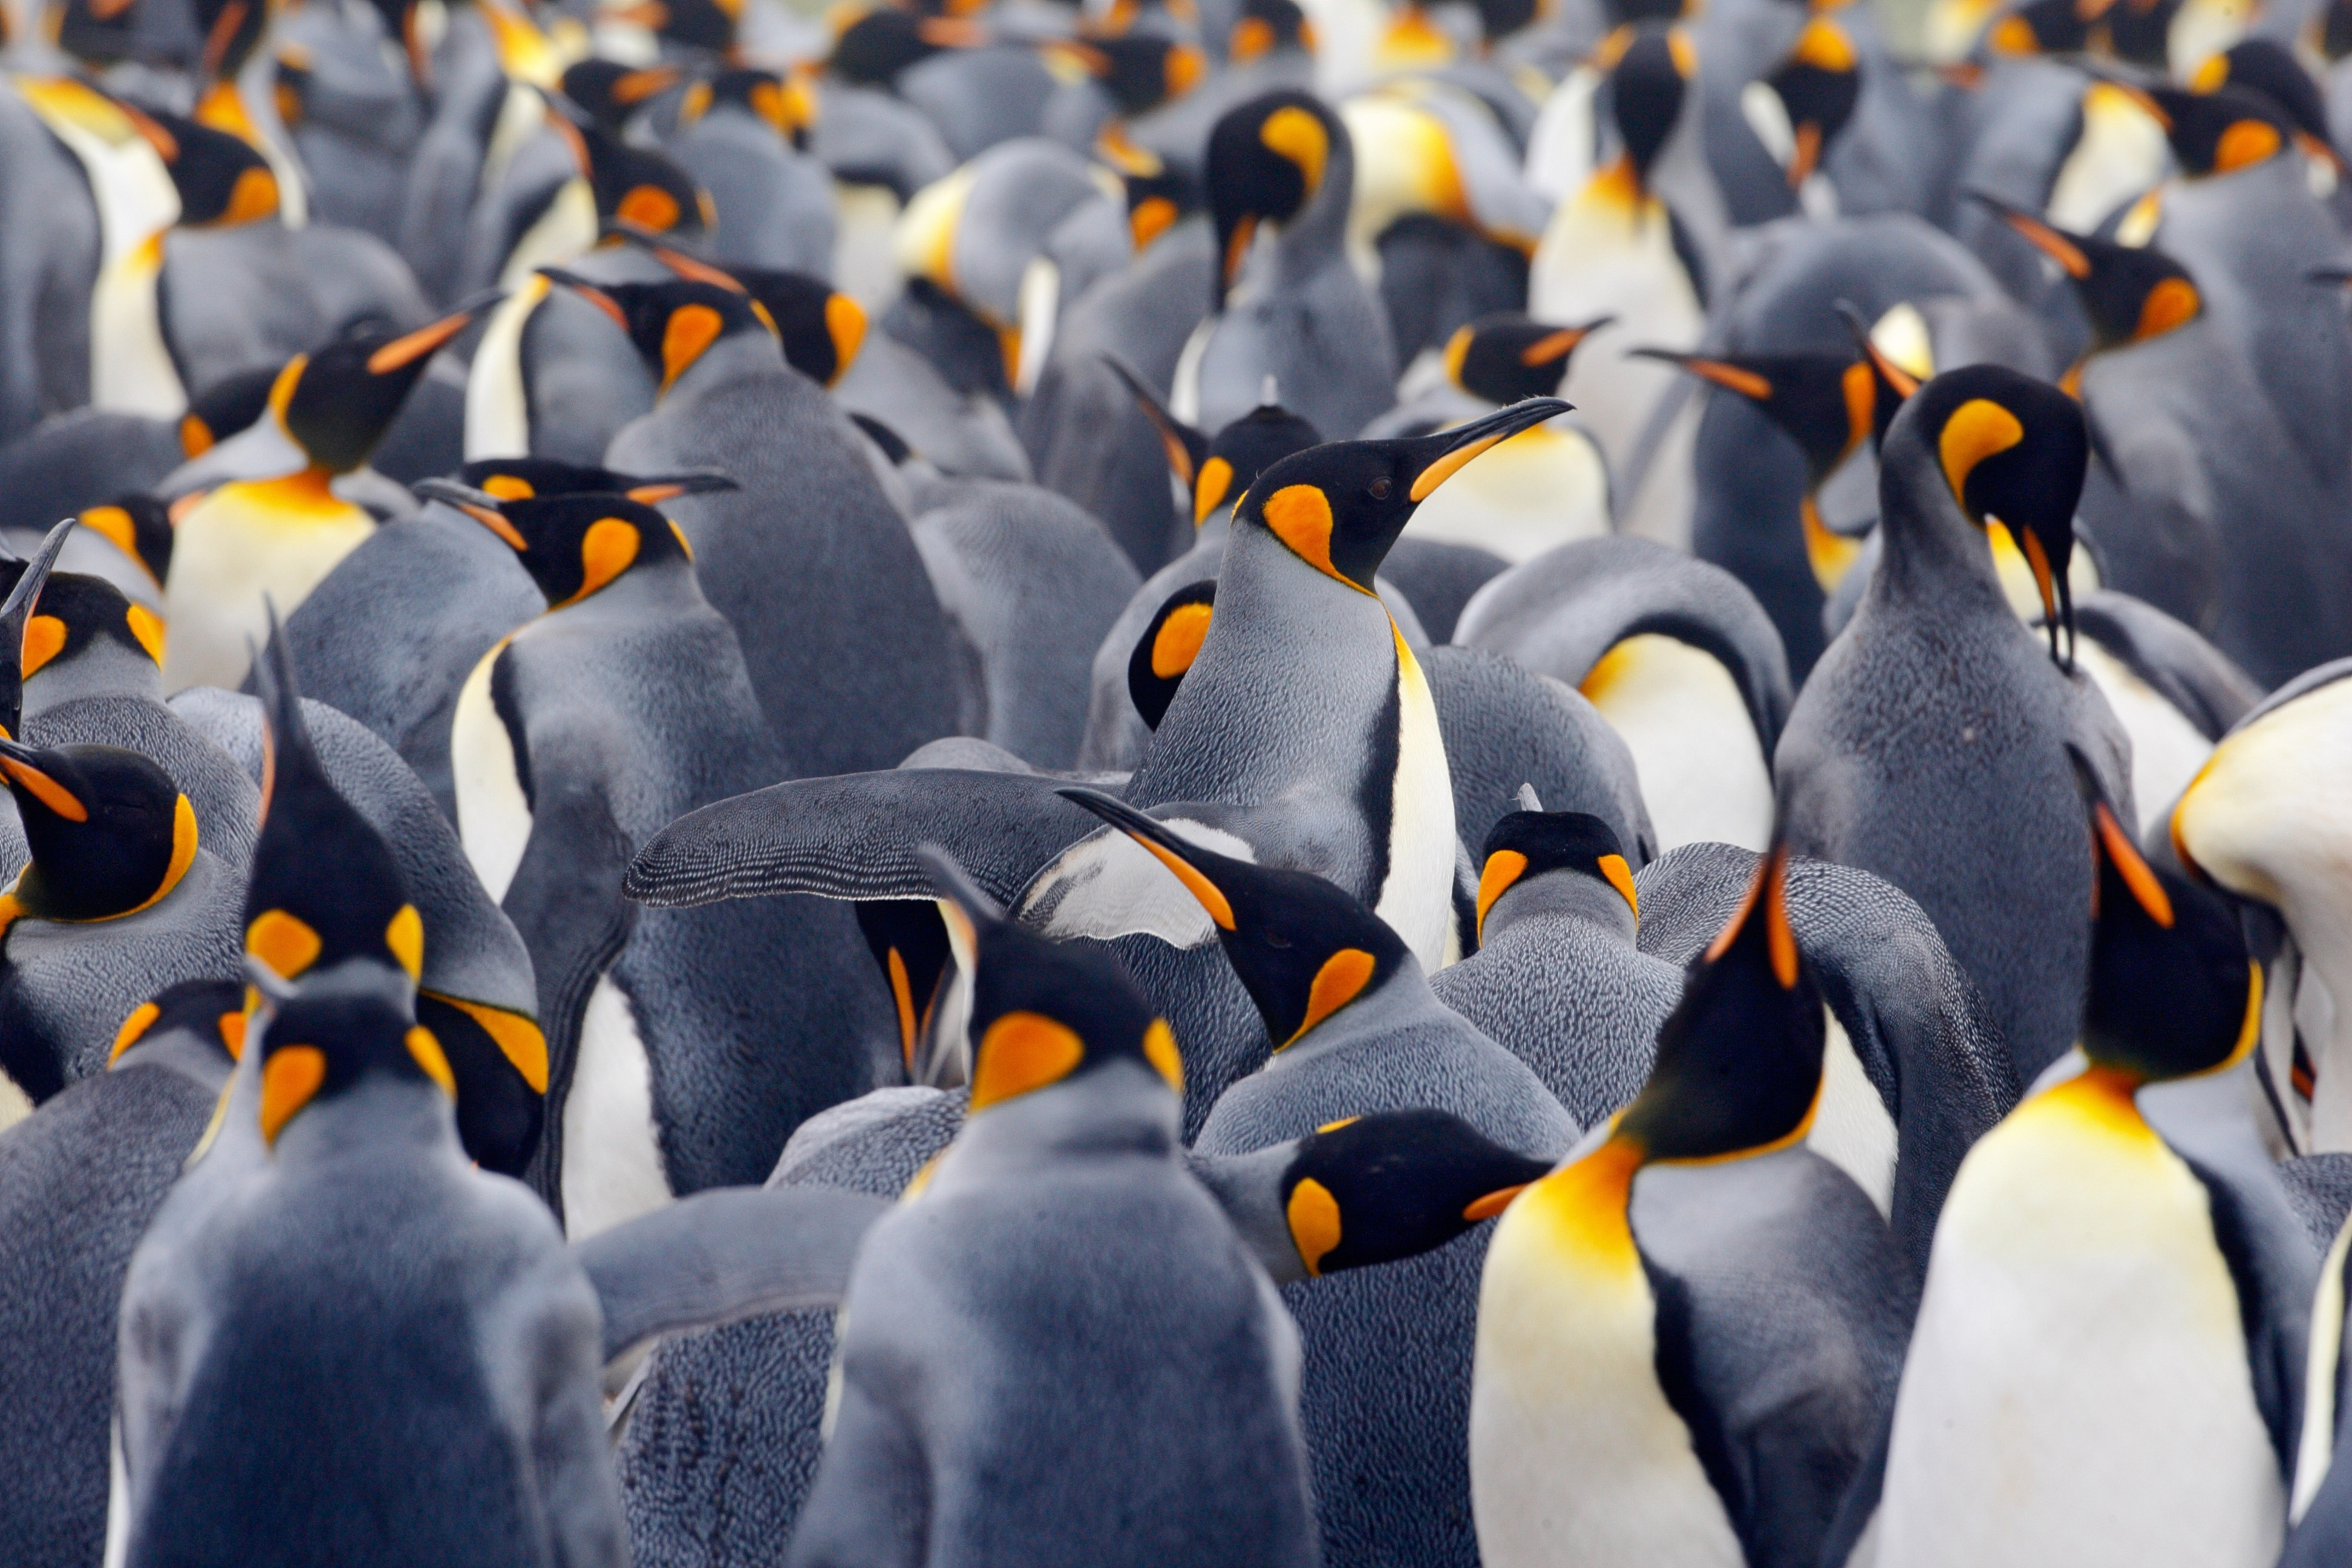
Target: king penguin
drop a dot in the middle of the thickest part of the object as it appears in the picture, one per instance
(1356, 1030)
(356, 1254)
(1927, 746)
(2108, 1361)
(1688, 1333)
(278, 537)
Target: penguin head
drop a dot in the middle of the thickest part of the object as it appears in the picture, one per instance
(76, 613)
(1042, 1013)
(821, 330)
(1156, 194)
(332, 944)
(707, 26)
(1169, 644)
(609, 92)
(1266, 26)
(108, 831)
(222, 181)
(1819, 84)
(1140, 71)
(337, 402)
(1739, 1060)
(2132, 293)
(2222, 131)
(909, 939)
(642, 189)
(877, 46)
(1651, 65)
(2268, 69)
(1527, 844)
(1506, 356)
(1374, 1189)
(1302, 947)
(211, 1012)
(2041, 27)
(1217, 472)
(1266, 162)
(26, 579)
(2172, 990)
(1825, 401)
(138, 525)
(1890, 384)
(2010, 450)
(521, 478)
(787, 103)
(229, 405)
(574, 546)
(1340, 507)
(674, 322)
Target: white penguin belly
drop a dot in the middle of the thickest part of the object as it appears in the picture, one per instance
(1575, 1455)
(1703, 772)
(2076, 1392)
(612, 1168)
(1851, 1130)
(1417, 898)
(244, 544)
(493, 817)
(2167, 749)
(131, 369)
(1542, 488)
(497, 408)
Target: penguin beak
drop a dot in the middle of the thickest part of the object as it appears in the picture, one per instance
(22, 767)
(666, 487)
(403, 351)
(479, 505)
(1443, 455)
(1730, 377)
(1161, 845)
(2054, 244)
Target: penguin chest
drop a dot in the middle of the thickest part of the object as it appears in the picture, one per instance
(1417, 895)
(497, 407)
(1576, 1456)
(494, 818)
(613, 1167)
(1703, 771)
(1852, 1129)
(246, 547)
(2077, 1388)
(1542, 488)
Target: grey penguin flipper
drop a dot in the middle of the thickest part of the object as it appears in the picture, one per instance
(725, 1255)
(852, 835)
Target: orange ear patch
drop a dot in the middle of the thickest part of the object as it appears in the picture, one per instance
(1341, 981)
(691, 329)
(45, 638)
(519, 1039)
(1216, 478)
(2171, 304)
(1177, 643)
(145, 630)
(290, 1080)
(284, 941)
(1300, 516)
(1313, 1214)
(1159, 1050)
(606, 551)
(134, 1028)
(1504, 869)
(1021, 1052)
(648, 206)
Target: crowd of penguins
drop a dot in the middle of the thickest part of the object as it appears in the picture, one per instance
(1192, 784)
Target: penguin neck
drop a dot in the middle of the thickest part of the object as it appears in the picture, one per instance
(201, 1061)
(1929, 549)
(740, 353)
(1119, 1111)
(379, 1117)
(102, 667)
(1564, 894)
(304, 495)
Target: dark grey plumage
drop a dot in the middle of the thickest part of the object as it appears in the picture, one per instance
(83, 458)
(774, 205)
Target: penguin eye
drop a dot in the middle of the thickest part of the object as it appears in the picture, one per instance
(1276, 939)
(1381, 489)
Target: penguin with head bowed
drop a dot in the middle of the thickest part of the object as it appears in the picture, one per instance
(354, 1239)
(279, 536)
(2143, 1369)
(621, 708)
(80, 1179)
(1355, 1029)
(1817, 86)
(1072, 1132)
(1280, 177)
(1928, 745)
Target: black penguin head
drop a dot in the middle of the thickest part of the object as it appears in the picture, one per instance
(1302, 947)
(209, 1011)
(2132, 293)
(609, 92)
(338, 401)
(1819, 84)
(521, 478)
(2219, 133)
(787, 103)
(75, 611)
(2268, 69)
(2172, 990)
(1243, 450)
(138, 525)
(1166, 650)
(2013, 450)
(574, 545)
(1266, 162)
(221, 179)
(1526, 844)
(909, 939)
(1739, 1061)
(707, 26)
(1157, 194)
(873, 49)
(108, 831)
(1042, 1013)
(25, 581)
(223, 409)
(1651, 65)
(1340, 507)
(1265, 25)
(1140, 71)
(822, 331)
(1375, 1189)
(1825, 401)
(1890, 384)
(331, 942)
(644, 190)
(673, 324)
(1506, 356)
(2041, 27)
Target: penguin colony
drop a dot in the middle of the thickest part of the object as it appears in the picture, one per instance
(1554, 784)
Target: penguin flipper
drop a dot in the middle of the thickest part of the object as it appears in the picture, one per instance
(854, 836)
(725, 1255)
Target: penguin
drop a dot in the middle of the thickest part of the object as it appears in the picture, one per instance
(360, 1175)
(625, 706)
(1798, 113)
(2319, 1526)
(278, 537)
(1676, 654)
(1689, 1331)
(821, 598)
(1997, 860)
(1073, 1107)
(1289, 307)
(742, 136)
(1355, 1029)
(2166, 1430)
(1556, 976)
(2257, 821)
(70, 1241)
(1111, 76)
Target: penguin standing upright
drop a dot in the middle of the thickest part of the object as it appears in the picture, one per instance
(1688, 1334)
(742, 136)
(359, 1255)
(2109, 1355)
(1356, 1030)
(1928, 745)
(277, 537)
